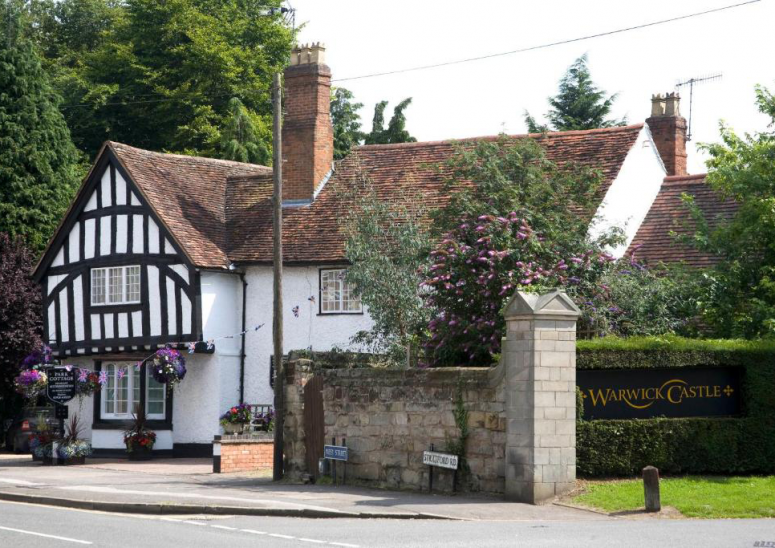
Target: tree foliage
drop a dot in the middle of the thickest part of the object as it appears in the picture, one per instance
(396, 130)
(20, 323)
(161, 75)
(741, 296)
(579, 104)
(387, 241)
(244, 137)
(39, 166)
(346, 122)
(521, 222)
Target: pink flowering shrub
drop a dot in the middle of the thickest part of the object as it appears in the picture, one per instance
(478, 266)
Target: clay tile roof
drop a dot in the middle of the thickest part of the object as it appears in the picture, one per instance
(189, 195)
(311, 234)
(654, 244)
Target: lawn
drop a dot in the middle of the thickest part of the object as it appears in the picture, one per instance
(693, 496)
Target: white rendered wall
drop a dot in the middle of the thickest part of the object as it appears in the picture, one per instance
(212, 381)
(630, 196)
(321, 332)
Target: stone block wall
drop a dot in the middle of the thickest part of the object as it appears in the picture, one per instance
(389, 417)
(246, 453)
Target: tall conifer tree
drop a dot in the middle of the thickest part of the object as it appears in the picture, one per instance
(38, 162)
(579, 104)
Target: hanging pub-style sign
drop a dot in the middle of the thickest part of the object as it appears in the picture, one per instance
(647, 393)
(61, 384)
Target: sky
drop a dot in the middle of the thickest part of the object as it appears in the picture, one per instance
(490, 96)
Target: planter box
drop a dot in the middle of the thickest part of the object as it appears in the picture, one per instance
(139, 453)
(74, 461)
(50, 461)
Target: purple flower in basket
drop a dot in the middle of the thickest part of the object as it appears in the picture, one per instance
(38, 357)
(169, 366)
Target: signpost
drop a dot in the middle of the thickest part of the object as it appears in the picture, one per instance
(60, 390)
(439, 460)
(335, 453)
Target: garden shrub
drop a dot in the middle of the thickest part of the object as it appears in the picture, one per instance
(723, 445)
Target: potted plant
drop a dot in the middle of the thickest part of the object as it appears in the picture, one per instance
(72, 449)
(40, 438)
(168, 367)
(237, 419)
(139, 439)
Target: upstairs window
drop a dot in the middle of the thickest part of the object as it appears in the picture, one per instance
(115, 285)
(337, 296)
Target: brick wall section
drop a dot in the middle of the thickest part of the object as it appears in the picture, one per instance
(308, 136)
(669, 134)
(389, 417)
(246, 453)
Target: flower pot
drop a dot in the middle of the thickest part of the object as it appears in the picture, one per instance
(51, 461)
(234, 428)
(140, 452)
(75, 460)
(36, 458)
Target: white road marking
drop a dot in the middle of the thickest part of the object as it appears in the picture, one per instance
(44, 535)
(254, 532)
(194, 522)
(281, 536)
(19, 482)
(224, 527)
(313, 540)
(269, 502)
(343, 544)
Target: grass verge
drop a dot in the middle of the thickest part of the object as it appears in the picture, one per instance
(693, 496)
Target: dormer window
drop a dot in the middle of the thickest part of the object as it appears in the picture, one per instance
(115, 285)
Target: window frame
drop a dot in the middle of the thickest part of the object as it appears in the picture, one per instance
(103, 421)
(106, 270)
(321, 312)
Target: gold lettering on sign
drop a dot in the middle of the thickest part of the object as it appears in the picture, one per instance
(674, 391)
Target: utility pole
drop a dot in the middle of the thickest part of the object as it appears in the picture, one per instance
(277, 316)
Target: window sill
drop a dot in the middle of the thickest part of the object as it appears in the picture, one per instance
(121, 424)
(360, 313)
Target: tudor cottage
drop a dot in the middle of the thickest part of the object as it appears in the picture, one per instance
(161, 249)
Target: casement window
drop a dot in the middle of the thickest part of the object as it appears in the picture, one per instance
(123, 392)
(337, 296)
(115, 285)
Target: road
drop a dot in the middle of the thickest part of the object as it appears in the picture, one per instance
(23, 525)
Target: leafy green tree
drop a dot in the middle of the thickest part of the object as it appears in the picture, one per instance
(387, 242)
(241, 137)
(160, 75)
(346, 122)
(741, 299)
(396, 131)
(39, 166)
(579, 104)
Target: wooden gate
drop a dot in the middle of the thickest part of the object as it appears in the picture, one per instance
(313, 423)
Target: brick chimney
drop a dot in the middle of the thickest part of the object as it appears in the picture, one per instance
(308, 137)
(668, 128)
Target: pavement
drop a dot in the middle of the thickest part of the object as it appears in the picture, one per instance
(188, 486)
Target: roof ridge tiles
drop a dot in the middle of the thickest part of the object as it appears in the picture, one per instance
(550, 134)
(202, 159)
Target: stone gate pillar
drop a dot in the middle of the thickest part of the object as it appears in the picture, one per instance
(539, 360)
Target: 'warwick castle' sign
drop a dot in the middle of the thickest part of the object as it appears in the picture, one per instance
(645, 393)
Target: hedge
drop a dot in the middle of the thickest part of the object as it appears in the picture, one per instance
(744, 444)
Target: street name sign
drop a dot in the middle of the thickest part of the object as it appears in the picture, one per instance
(335, 452)
(441, 460)
(61, 385)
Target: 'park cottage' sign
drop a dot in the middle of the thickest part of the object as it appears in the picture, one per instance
(645, 393)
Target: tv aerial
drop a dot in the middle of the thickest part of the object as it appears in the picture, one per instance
(691, 82)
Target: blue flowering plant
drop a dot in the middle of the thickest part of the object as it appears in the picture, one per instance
(264, 421)
(169, 366)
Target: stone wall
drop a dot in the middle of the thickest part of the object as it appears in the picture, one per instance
(389, 417)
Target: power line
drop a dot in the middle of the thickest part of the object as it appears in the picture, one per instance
(549, 45)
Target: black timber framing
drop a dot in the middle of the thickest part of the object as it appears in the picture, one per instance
(82, 267)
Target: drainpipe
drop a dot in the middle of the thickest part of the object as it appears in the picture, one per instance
(242, 350)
